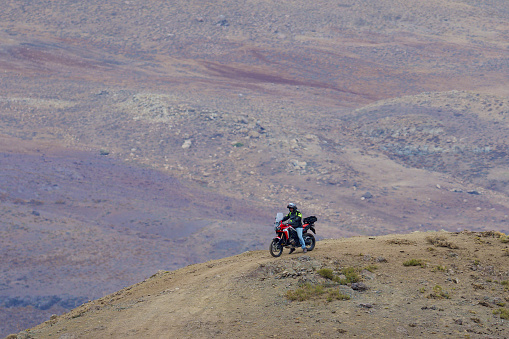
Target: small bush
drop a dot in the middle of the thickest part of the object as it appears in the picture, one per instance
(439, 293)
(439, 268)
(371, 268)
(415, 262)
(350, 274)
(504, 239)
(441, 241)
(326, 273)
(335, 295)
(305, 292)
(504, 313)
(238, 144)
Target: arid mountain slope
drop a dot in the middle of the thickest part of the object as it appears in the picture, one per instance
(427, 284)
(138, 136)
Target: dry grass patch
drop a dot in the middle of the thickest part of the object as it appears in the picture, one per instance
(504, 313)
(439, 293)
(348, 275)
(401, 242)
(441, 241)
(415, 262)
(310, 291)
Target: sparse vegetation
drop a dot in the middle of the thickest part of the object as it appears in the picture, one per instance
(326, 273)
(439, 293)
(314, 291)
(371, 268)
(415, 262)
(439, 268)
(401, 242)
(441, 241)
(503, 312)
(350, 274)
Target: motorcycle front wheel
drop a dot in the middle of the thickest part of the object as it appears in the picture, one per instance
(275, 248)
(309, 239)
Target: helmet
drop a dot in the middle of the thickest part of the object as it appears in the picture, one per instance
(291, 205)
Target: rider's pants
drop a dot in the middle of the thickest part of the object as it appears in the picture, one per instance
(301, 239)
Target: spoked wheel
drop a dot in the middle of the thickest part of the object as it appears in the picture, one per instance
(309, 239)
(275, 248)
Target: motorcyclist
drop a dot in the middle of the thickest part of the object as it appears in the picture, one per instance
(295, 220)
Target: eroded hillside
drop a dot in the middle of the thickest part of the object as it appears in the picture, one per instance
(419, 285)
(140, 136)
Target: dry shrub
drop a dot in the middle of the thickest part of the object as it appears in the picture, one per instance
(415, 262)
(401, 242)
(492, 234)
(441, 241)
(439, 293)
(504, 313)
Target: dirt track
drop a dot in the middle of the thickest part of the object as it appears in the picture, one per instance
(244, 296)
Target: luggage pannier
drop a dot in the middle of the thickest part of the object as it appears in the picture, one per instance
(309, 220)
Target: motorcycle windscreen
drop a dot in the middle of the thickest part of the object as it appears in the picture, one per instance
(279, 217)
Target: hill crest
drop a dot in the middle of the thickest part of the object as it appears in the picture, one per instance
(418, 284)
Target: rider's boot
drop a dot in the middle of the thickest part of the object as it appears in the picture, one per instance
(292, 249)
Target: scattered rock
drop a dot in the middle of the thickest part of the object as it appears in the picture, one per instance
(485, 304)
(187, 144)
(366, 305)
(367, 274)
(223, 23)
(367, 195)
(359, 286)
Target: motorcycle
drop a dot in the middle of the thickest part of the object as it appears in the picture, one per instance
(286, 235)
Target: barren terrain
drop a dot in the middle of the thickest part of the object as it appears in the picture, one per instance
(458, 290)
(142, 136)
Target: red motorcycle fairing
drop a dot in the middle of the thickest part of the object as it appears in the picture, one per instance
(284, 232)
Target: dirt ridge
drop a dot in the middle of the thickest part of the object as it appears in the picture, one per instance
(458, 287)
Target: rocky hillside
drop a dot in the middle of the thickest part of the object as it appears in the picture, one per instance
(424, 284)
(137, 136)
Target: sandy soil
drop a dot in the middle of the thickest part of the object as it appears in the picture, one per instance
(457, 292)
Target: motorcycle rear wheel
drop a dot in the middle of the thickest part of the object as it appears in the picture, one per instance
(310, 241)
(275, 248)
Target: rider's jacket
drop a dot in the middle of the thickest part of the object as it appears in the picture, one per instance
(295, 218)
